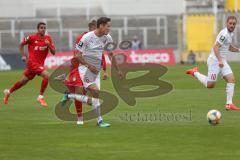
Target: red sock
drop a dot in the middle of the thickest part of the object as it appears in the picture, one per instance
(16, 86)
(78, 106)
(43, 85)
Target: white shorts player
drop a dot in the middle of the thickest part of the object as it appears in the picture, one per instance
(92, 48)
(217, 63)
(224, 38)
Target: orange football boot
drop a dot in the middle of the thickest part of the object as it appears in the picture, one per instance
(192, 71)
(231, 107)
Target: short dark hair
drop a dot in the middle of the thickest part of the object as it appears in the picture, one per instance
(231, 17)
(103, 20)
(40, 23)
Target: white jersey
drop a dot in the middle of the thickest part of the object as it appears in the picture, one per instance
(224, 38)
(92, 48)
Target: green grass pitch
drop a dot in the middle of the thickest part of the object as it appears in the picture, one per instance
(31, 132)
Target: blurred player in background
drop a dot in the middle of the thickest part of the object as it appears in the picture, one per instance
(39, 45)
(74, 82)
(217, 63)
(90, 50)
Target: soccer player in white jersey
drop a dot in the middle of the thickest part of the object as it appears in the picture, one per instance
(217, 63)
(90, 50)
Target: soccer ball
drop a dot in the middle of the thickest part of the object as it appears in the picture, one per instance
(213, 117)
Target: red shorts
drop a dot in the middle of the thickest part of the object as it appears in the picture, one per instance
(32, 70)
(74, 79)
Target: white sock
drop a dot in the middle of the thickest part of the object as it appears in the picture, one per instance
(78, 97)
(96, 107)
(40, 97)
(202, 78)
(84, 99)
(230, 92)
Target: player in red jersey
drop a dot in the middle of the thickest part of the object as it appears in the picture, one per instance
(74, 82)
(39, 45)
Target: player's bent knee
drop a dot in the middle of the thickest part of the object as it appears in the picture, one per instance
(95, 93)
(45, 76)
(229, 78)
(24, 80)
(78, 90)
(210, 85)
(231, 81)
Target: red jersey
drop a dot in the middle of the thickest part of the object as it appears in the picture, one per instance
(37, 48)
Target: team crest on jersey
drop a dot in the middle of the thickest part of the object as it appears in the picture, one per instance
(222, 38)
(80, 44)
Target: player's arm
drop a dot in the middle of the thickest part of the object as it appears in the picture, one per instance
(112, 58)
(51, 46)
(24, 42)
(21, 50)
(233, 49)
(114, 63)
(51, 49)
(221, 39)
(81, 60)
(104, 67)
(80, 47)
(216, 48)
(80, 57)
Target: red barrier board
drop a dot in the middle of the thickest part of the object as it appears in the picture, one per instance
(158, 56)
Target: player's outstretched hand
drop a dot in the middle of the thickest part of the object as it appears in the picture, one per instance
(24, 58)
(220, 64)
(47, 42)
(93, 69)
(105, 76)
